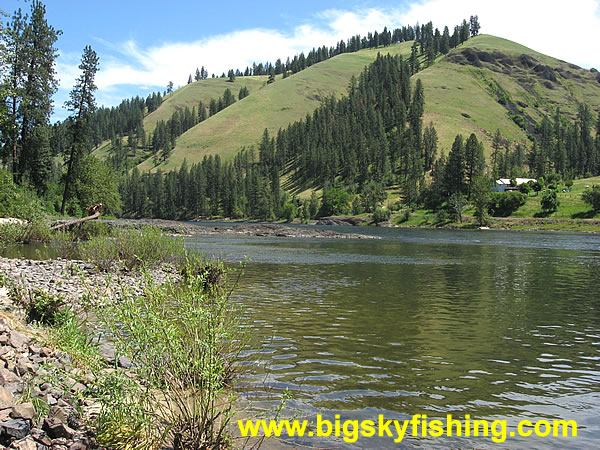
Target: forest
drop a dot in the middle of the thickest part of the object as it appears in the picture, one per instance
(354, 149)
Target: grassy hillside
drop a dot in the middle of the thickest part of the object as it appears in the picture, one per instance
(488, 83)
(200, 91)
(462, 89)
(273, 107)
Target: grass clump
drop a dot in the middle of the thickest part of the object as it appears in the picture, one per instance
(132, 249)
(182, 338)
(69, 335)
(10, 234)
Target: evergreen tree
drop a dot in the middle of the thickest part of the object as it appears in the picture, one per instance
(455, 168)
(430, 143)
(474, 161)
(31, 78)
(190, 79)
(474, 25)
(82, 104)
(197, 76)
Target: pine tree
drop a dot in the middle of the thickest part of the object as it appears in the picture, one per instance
(32, 82)
(430, 143)
(82, 104)
(474, 161)
(455, 168)
(190, 79)
(197, 76)
(474, 25)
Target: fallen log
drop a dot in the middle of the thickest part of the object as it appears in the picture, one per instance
(95, 211)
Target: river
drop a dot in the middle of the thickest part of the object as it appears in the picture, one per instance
(498, 325)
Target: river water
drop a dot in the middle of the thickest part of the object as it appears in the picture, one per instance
(498, 325)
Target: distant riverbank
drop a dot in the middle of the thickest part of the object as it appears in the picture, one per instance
(236, 229)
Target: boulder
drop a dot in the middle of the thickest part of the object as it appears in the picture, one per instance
(25, 444)
(18, 339)
(7, 400)
(57, 429)
(7, 377)
(23, 411)
(15, 429)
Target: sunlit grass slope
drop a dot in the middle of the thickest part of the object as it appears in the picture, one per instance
(203, 91)
(274, 106)
(461, 95)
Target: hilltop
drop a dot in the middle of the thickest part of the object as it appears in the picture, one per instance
(485, 84)
(488, 83)
(271, 106)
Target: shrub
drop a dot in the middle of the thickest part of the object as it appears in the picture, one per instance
(502, 204)
(183, 339)
(335, 201)
(289, 211)
(525, 188)
(43, 308)
(17, 201)
(10, 234)
(132, 249)
(591, 196)
(381, 215)
(549, 201)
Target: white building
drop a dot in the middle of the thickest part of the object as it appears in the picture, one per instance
(503, 184)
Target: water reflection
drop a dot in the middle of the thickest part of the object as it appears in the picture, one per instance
(496, 325)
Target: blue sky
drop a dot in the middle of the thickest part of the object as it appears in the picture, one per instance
(145, 44)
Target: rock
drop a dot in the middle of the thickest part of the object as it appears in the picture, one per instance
(107, 351)
(49, 399)
(78, 388)
(56, 429)
(25, 444)
(41, 437)
(7, 400)
(7, 377)
(5, 414)
(45, 352)
(34, 349)
(78, 446)
(59, 414)
(15, 429)
(23, 411)
(18, 339)
(125, 362)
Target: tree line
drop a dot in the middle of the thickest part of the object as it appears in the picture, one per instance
(429, 41)
(29, 144)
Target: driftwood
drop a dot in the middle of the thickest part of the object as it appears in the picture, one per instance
(94, 212)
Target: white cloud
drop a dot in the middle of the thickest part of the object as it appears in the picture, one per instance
(565, 30)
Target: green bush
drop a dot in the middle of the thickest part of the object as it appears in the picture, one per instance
(549, 201)
(10, 234)
(502, 204)
(335, 202)
(591, 196)
(381, 214)
(132, 249)
(183, 339)
(17, 201)
(43, 308)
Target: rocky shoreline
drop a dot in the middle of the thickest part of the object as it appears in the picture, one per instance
(236, 229)
(26, 384)
(38, 409)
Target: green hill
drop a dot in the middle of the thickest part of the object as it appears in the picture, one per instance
(463, 89)
(272, 107)
(485, 84)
